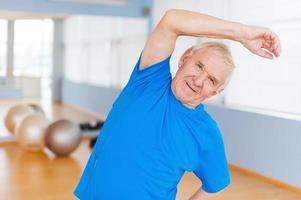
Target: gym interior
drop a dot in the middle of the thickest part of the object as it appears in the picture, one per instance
(64, 62)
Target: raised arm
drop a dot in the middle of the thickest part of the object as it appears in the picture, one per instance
(260, 41)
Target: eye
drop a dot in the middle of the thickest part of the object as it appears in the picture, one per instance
(200, 66)
(212, 81)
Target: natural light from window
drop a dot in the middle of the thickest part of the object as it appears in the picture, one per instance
(3, 44)
(33, 47)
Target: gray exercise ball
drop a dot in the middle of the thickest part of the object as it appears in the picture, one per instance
(15, 115)
(62, 137)
(30, 133)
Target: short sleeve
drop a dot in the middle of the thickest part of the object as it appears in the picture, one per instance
(157, 73)
(147, 84)
(212, 168)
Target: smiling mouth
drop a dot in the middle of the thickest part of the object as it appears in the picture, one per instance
(190, 87)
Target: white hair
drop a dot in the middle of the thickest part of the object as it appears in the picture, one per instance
(221, 50)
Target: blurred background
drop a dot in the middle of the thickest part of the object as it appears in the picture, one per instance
(73, 57)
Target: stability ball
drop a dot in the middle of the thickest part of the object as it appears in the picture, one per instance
(15, 115)
(30, 133)
(62, 137)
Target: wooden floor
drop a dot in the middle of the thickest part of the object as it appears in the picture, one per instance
(42, 176)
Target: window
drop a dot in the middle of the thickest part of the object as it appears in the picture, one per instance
(102, 50)
(33, 47)
(3, 46)
(261, 83)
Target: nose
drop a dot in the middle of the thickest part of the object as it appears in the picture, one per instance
(199, 80)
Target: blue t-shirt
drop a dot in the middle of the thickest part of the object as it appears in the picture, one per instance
(149, 140)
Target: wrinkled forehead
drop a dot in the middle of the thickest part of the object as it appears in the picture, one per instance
(213, 62)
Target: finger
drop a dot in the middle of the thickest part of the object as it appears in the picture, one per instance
(271, 47)
(279, 49)
(267, 35)
(276, 45)
(268, 41)
(267, 46)
(265, 54)
(276, 51)
(274, 41)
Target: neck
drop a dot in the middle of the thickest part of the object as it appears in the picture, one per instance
(189, 105)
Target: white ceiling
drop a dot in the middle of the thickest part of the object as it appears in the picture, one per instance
(28, 15)
(33, 15)
(108, 2)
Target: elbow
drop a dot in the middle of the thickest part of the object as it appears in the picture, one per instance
(169, 20)
(212, 195)
(170, 12)
(170, 15)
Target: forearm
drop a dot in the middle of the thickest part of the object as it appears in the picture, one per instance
(200, 194)
(188, 23)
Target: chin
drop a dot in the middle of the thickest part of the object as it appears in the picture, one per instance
(193, 101)
(187, 100)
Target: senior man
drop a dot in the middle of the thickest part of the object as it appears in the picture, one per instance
(158, 127)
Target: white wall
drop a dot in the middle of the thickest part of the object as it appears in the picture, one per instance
(261, 83)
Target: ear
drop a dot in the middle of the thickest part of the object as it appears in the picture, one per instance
(219, 90)
(184, 56)
(213, 93)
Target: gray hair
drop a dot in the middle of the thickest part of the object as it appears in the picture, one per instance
(221, 50)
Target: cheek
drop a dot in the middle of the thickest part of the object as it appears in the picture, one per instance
(182, 91)
(207, 92)
(186, 93)
(185, 70)
(182, 88)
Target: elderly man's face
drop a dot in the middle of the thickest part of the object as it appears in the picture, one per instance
(200, 76)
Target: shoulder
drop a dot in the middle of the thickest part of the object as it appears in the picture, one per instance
(152, 77)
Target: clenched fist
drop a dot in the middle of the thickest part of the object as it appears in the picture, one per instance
(260, 41)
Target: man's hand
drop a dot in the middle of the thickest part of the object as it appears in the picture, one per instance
(260, 41)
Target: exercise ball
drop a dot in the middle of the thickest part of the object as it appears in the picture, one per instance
(62, 137)
(37, 108)
(15, 115)
(30, 133)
